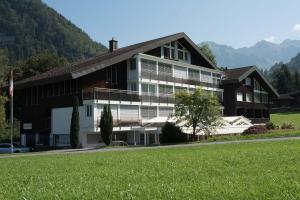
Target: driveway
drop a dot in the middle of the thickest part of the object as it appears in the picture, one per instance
(132, 148)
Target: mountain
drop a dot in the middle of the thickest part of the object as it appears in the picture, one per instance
(29, 27)
(293, 64)
(263, 54)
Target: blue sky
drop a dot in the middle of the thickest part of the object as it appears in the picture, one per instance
(233, 22)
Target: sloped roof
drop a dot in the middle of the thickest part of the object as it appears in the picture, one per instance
(239, 74)
(236, 73)
(77, 69)
(285, 97)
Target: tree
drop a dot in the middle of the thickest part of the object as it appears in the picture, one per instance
(38, 64)
(4, 67)
(74, 129)
(282, 79)
(208, 53)
(296, 80)
(106, 124)
(199, 110)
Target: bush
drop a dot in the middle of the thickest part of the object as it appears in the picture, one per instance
(271, 126)
(172, 134)
(287, 125)
(255, 130)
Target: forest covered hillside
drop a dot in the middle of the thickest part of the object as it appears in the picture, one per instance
(30, 27)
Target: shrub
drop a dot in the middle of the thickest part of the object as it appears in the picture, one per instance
(271, 126)
(256, 129)
(172, 134)
(287, 125)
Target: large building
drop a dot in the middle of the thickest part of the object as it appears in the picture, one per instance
(138, 81)
(248, 93)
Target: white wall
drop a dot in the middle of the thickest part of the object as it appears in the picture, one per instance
(61, 120)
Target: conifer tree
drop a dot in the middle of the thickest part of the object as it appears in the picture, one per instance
(74, 129)
(106, 125)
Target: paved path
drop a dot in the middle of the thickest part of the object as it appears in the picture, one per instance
(112, 149)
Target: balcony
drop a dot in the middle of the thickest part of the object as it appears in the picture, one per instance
(124, 95)
(151, 75)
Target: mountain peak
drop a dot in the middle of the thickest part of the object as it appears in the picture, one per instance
(263, 54)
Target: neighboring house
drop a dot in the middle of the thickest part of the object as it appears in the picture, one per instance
(289, 100)
(247, 93)
(138, 81)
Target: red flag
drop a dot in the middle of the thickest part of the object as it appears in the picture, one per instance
(11, 85)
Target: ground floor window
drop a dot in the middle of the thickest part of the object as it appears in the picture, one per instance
(63, 139)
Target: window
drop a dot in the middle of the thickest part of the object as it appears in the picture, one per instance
(165, 90)
(133, 87)
(164, 68)
(148, 112)
(194, 74)
(62, 139)
(165, 111)
(248, 81)
(264, 98)
(206, 77)
(175, 50)
(239, 96)
(216, 78)
(148, 89)
(88, 110)
(256, 85)
(132, 64)
(148, 65)
(256, 97)
(248, 97)
(180, 72)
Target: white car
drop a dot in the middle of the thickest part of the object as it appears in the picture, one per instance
(6, 148)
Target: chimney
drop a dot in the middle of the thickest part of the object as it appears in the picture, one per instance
(113, 45)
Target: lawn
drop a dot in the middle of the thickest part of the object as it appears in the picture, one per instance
(265, 170)
(271, 134)
(281, 117)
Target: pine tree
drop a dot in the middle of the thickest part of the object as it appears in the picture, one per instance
(296, 80)
(74, 129)
(106, 125)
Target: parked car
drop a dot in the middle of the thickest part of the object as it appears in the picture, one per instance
(6, 148)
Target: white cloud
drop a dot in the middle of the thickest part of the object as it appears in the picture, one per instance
(296, 27)
(270, 39)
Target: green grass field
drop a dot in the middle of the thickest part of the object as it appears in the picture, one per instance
(281, 117)
(271, 134)
(265, 170)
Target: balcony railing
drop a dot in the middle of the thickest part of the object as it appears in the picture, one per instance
(124, 95)
(151, 75)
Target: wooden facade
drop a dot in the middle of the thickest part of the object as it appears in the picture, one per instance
(251, 103)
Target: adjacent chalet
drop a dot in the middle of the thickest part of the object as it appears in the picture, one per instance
(247, 93)
(139, 82)
(289, 100)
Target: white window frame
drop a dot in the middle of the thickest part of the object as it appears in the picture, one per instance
(239, 96)
(248, 97)
(186, 54)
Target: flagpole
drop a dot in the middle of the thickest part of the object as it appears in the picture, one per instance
(11, 112)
